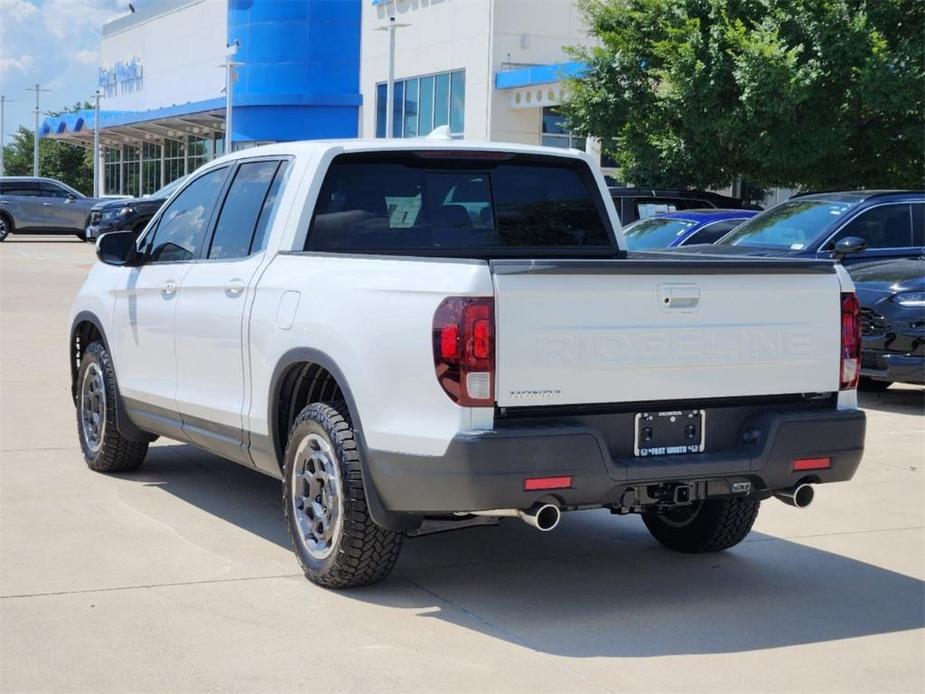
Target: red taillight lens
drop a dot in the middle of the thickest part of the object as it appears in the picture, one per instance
(464, 349)
(850, 341)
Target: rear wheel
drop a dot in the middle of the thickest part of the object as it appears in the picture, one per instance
(104, 448)
(869, 385)
(336, 541)
(6, 226)
(704, 526)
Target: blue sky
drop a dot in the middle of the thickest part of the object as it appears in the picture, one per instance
(54, 43)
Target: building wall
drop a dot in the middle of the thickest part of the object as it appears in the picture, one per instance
(443, 35)
(179, 49)
(299, 76)
(529, 32)
(476, 35)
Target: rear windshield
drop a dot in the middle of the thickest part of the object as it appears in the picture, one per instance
(657, 232)
(792, 225)
(476, 203)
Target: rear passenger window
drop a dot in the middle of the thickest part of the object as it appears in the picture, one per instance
(407, 202)
(183, 224)
(247, 198)
(886, 226)
(28, 190)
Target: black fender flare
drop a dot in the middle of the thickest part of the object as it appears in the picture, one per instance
(127, 428)
(390, 520)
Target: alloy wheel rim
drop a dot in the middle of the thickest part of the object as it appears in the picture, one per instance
(93, 407)
(316, 496)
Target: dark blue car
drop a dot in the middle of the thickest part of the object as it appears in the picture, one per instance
(891, 223)
(681, 228)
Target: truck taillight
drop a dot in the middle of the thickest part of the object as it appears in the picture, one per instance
(850, 341)
(464, 349)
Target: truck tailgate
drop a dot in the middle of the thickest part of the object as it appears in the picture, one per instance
(610, 331)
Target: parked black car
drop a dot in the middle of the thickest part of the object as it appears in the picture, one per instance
(643, 203)
(892, 296)
(131, 214)
(891, 224)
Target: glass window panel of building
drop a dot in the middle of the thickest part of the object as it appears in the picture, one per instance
(421, 104)
(554, 132)
(131, 169)
(150, 167)
(111, 169)
(199, 151)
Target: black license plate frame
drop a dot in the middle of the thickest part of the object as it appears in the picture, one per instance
(666, 432)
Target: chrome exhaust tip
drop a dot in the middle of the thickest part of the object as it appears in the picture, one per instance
(800, 496)
(543, 517)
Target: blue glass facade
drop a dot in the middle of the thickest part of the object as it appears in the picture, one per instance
(300, 77)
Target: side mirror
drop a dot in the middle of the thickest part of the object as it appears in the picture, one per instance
(70, 198)
(848, 246)
(117, 248)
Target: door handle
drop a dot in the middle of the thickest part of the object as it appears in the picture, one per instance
(234, 288)
(169, 289)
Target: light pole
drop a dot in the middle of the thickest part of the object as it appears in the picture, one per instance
(3, 102)
(229, 66)
(96, 143)
(390, 86)
(35, 139)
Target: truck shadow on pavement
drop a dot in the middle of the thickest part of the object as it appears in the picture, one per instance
(598, 585)
(902, 400)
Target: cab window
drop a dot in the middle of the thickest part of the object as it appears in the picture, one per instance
(183, 225)
(241, 226)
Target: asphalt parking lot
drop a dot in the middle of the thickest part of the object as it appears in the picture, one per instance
(179, 577)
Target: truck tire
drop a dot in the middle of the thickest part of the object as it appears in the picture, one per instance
(336, 541)
(104, 448)
(705, 526)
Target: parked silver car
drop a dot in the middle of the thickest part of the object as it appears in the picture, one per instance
(30, 204)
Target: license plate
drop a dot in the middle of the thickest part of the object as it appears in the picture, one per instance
(672, 432)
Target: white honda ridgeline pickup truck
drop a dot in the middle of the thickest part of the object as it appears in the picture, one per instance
(411, 330)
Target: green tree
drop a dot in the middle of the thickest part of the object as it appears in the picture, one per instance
(63, 161)
(816, 93)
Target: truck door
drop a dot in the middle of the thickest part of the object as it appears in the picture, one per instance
(211, 311)
(146, 303)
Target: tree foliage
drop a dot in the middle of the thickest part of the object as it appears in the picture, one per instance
(816, 93)
(63, 161)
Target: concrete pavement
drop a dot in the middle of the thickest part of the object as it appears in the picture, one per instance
(179, 577)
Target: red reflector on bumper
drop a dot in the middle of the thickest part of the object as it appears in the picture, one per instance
(536, 483)
(812, 463)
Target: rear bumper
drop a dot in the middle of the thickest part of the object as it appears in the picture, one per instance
(898, 368)
(486, 470)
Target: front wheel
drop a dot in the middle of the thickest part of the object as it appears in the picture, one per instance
(104, 448)
(336, 541)
(704, 526)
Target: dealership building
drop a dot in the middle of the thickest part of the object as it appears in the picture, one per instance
(313, 69)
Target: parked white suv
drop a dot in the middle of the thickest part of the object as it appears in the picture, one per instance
(404, 330)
